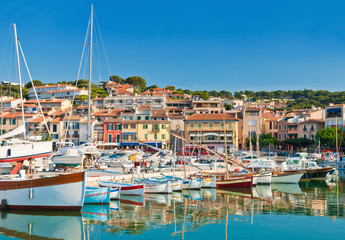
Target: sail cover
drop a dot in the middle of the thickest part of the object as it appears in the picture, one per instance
(14, 132)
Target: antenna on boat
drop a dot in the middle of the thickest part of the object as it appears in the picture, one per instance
(19, 74)
(90, 77)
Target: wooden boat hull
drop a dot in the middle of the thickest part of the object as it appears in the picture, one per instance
(263, 178)
(320, 174)
(63, 192)
(158, 187)
(192, 184)
(208, 182)
(287, 177)
(125, 189)
(176, 185)
(97, 195)
(236, 182)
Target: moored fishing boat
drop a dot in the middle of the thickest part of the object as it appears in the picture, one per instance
(190, 183)
(151, 186)
(236, 182)
(176, 184)
(263, 178)
(208, 182)
(97, 195)
(125, 188)
(286, 177)
(62, 192)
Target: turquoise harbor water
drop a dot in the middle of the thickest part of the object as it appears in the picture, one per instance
(306, 211)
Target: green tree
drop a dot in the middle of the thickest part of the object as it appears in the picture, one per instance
(202, 95)
(138, 82)
(172, 88)
(152, 87)
(117, 79)
(37, 83)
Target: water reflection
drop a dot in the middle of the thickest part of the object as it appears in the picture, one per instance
(187, 214)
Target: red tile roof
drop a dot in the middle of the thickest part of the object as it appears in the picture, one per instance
(211, 117)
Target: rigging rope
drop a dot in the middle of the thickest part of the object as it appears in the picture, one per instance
(33, 86)
(76, 82)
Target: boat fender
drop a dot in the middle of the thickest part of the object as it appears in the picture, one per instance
(323, 157)
(3, 204)
(332, 157)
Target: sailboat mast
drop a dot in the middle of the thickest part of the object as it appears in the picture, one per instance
(226, 151)
(90, 76)
(19, 73)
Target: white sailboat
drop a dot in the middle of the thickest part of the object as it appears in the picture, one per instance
(16, 150)
(75, 155)
(62, 192)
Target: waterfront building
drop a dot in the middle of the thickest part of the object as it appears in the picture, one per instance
(60, 91)
(271, 125)
(334, 115)
(152, 132)
(57, 130)
(10, 103)
(208, 129)
(308, 128)
(13, 120)
(250, 124)
(73, 129)
(112, 131)
(130, 102)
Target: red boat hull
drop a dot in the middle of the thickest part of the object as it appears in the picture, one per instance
(236, 182)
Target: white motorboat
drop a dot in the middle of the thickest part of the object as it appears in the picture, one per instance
(68, 156)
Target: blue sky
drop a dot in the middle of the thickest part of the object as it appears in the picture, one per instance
(200, 45)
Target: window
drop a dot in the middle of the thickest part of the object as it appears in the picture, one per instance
(147, 118)
(280, 127)
(211, 125)
(230, 125)
(305, 135)
(139, 118)
(304, 127)
(145, 126)
(134, 137)
(164, 126)
(125, 126)
(155, 127)
(118, 127)
(252, 123)
(130, 118)
(199, 125)
(284, 126)
(132, 126)
(4, 121)
(312, 136)
(75, 133)
(191, 125)
(75, 125)
(14, 121)
(222, 125)
(284, 135)
(312, 127)
(279, 135)
(110, 138)
(118, 138)
(54, 127)
(163, 136)
(155, 135)
(110, 127)
(146, 136)
(124, 118)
